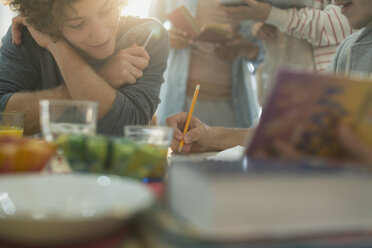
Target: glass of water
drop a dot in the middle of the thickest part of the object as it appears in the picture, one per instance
(67, 117)
(155, 135)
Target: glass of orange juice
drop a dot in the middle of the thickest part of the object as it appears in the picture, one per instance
(11, 123)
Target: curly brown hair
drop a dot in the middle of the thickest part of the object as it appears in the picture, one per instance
(46, 15)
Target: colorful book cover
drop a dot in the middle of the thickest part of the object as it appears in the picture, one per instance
(305, 111)
(182, 19)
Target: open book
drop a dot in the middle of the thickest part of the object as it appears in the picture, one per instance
(305, 111)
(182, 19)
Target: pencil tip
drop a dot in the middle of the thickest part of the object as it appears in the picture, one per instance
(198, 86)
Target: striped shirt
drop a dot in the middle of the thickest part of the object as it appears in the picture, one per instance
(323, 26)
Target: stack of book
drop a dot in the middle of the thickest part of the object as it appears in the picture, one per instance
(277, 203)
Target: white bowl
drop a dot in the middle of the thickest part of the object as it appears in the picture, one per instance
(59, 208)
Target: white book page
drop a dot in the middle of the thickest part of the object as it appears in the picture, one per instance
(231, 154)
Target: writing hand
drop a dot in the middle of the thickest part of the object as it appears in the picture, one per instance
(197, 139)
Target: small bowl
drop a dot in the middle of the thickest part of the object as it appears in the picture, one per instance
(19, 154)
(50, 209)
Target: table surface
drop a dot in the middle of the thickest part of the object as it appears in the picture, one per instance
(123, 237)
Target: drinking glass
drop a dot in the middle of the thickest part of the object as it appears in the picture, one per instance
(11, 123)
(155, 141)
(67, 117)
(155, 135)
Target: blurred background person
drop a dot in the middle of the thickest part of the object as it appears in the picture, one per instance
(305, 38)
(353, 55)
(227, 95)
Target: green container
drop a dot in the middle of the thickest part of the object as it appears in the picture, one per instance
(113, 155)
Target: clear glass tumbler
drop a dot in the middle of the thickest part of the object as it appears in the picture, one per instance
(67, 117)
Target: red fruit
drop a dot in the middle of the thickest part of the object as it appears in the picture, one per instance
(20, 154)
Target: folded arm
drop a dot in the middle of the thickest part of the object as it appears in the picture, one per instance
(19, 88)
(20, 77)
(136, 104)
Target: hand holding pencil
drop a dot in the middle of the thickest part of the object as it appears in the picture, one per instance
(187, 125)
(192, 137)
(198, 138)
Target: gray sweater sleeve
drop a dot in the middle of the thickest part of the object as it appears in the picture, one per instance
(338, 62)
(135, 104)
(18, 68)
(25, 67)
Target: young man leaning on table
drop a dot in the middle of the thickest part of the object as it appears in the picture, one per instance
(82, 50)
(353, 56)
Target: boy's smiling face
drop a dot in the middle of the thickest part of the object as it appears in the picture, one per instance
(358, 12)
(91, 27)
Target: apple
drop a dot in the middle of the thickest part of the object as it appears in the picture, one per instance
(21, 154)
